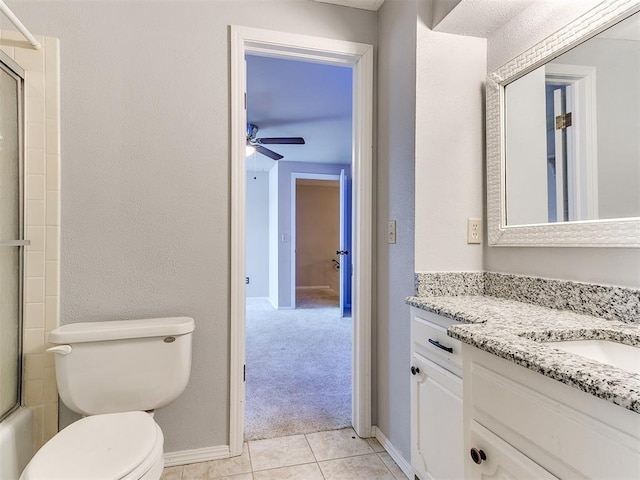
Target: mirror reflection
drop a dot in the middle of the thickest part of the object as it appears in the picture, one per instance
(572, 133)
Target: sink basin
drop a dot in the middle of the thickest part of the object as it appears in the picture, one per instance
(626, 357)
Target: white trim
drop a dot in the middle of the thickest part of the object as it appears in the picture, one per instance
(196, 455)
(404, 465)
(294, 177)
(320, 50)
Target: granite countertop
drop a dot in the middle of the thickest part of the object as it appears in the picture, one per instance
(513, 330)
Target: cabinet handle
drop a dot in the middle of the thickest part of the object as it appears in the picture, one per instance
(414, 370)
(439, 345)
(478, 456)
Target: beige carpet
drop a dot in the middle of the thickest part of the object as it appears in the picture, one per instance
(298, 373)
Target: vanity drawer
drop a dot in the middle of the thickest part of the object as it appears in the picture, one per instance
(429, 335)
(551, 431)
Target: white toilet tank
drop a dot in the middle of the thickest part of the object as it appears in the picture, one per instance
(120, 366)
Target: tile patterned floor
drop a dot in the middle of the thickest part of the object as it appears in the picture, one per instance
(333, 455)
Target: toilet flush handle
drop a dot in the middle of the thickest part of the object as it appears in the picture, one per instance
(60, 350)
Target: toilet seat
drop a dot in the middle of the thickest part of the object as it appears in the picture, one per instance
(114, 446)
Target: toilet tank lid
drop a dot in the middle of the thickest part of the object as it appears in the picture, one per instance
(121, 329)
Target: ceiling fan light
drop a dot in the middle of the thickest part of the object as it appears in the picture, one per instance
(250, 150)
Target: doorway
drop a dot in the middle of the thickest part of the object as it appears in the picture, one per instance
(358, 57)
(321, 263)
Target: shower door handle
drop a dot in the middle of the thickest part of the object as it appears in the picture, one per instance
(14, 243)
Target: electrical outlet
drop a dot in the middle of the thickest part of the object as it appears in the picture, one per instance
(391, 231)
(474, 230)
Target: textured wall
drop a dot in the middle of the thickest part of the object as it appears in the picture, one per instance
(395, 201)
(145, 169)
(450, 75)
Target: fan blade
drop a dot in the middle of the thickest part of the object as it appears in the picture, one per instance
(281, 141)
(269, 153)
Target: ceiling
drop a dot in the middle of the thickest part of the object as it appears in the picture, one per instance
(288, 98)
(362, 4)
(479, 18)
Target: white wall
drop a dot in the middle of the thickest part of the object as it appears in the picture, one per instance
(145, 176)
(450, 75)
(615, 266)
(526, 149)
(394, 263)
(257, 234)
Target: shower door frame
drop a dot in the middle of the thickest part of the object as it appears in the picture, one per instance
(8, 65)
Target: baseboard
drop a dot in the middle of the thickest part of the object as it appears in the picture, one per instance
(197, 455)
(393, 453)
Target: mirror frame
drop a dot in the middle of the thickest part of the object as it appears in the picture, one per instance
(593, 233)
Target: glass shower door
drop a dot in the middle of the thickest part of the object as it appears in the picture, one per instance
(11, 238)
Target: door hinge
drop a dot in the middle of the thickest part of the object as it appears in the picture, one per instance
(244, 373)
(245, 100)
(563, 121)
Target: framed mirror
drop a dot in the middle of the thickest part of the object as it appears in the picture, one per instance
(563, 136)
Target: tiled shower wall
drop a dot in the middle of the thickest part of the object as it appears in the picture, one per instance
(42, 217)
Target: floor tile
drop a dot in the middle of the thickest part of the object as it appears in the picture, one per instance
(393, 467)
(310, 471)
(172, 473)
(375, 444)
(242, 476)
(280, 452)
(363, 467)
(219, 469)
(337, 444)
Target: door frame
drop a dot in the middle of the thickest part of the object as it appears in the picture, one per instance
(294, 228)
(583, 173)
(359, 56)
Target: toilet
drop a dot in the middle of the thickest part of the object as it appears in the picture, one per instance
(115, 374)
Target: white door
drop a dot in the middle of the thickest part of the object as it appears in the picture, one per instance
(344, 249)
(437, 439)
(493, 458)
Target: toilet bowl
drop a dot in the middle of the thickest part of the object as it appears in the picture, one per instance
(114, 446)
(113, 373)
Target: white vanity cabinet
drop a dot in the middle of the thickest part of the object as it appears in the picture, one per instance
(436, 399)
(521, 424)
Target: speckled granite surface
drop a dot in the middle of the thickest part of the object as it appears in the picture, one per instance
(438, 284)
(603, 301)
(513, 330)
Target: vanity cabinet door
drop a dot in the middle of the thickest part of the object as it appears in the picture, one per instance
(489, 457)
(436, 404)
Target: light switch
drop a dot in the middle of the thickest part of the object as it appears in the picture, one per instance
(391, 232)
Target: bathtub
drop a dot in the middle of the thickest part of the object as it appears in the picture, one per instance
(16, 443)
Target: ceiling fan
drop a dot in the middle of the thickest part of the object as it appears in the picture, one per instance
(257, 143)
